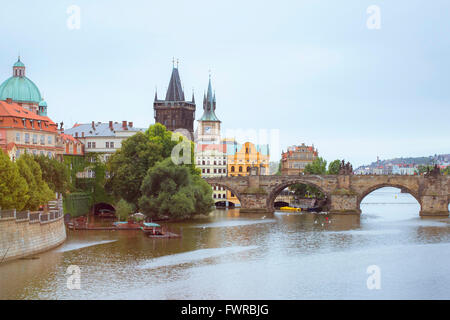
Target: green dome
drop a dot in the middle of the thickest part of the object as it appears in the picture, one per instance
(20, 89)
(42, 103)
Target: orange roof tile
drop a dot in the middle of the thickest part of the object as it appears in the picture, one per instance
(12, 115)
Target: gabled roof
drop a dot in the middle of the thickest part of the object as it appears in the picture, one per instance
(175, 90)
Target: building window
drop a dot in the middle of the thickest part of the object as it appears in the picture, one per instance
(240, 169)
(207, 170)
(34, 138)
(42, 139)
(248, 169)
(232, 168)
(17, 154)
(107, 145)
(49, 139)
(215, 170)
(89, 145)
(111, 144)
(93, 145)
(49, 154)
(17, 137)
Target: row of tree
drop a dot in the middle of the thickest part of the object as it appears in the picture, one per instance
(30, 182)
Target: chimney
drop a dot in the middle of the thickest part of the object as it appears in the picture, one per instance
(111, 125)
(124, 125)
(9, 100)
(82, 134)
(93, 125)
(130, 124)
(76, 134)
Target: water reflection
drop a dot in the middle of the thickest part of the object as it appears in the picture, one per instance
(231, 255)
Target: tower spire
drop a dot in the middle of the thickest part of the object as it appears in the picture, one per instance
(209, 104)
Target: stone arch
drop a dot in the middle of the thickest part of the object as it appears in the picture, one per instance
(280, 187)
(227, 188)
(96, 208)
(369, 190)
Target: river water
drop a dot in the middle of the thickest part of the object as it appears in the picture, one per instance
(236, 256)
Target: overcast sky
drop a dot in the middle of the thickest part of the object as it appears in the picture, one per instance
(311, 69)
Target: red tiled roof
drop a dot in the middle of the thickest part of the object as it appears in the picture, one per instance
(12, 114)
(66, 137)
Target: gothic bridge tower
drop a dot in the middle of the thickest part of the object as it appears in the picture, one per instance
(174, 111)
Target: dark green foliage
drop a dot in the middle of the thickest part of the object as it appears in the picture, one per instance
(172, 190)
(334, 166)
(55, 173)
(77, 203)
(129, 165)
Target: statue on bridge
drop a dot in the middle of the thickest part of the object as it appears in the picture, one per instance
(345, 168)
(435, 172)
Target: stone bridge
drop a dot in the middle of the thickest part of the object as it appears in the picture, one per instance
(344, 193)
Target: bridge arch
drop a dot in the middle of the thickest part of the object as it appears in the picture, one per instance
(369, 190)
(224, 185)
(280, 187)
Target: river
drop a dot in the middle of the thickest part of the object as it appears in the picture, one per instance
(235, 256)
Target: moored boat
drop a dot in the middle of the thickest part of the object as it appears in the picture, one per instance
(152, 228)
(291, 209)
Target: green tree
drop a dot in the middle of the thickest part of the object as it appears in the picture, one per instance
(55, 173)
(13, 187)
(318, 166)
(123, 210)
(172, 190)
(38, 191)
(334, 166)
(129, 165)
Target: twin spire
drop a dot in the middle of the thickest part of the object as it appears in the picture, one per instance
(209, 105)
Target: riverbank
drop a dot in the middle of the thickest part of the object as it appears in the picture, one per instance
(24, 234)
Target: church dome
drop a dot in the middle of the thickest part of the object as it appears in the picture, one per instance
(19, 88)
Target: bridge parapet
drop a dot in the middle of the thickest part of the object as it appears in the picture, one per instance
(344, 192)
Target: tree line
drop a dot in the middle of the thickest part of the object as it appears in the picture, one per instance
(140, 176)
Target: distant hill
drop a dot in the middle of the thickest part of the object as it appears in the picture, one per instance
(430, 160)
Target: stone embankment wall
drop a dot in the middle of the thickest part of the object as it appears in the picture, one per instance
(26, 233)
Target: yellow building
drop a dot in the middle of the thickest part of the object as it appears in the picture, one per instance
(241, 158)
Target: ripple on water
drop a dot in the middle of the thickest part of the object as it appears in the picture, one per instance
(80, 245)
(191, 256)
(233, 223)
